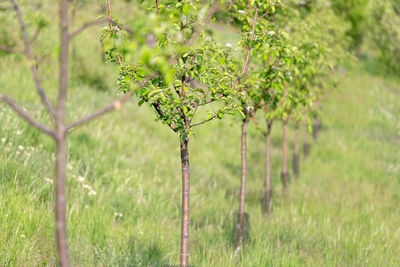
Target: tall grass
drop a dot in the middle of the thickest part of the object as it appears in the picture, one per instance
(124, 185)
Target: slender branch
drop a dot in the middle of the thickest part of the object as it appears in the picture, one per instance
(36, 35)
(28, 53)
(87, 25)
(248, 50)
(11, 50)
(214, 8)
(108, 108)
(20, 111)
(109, 12)
(157, 107)
(265, 13)
(258, 126)
(97, 22)
(207, 120)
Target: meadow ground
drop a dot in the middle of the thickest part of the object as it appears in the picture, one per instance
(124, 181)
(124, 186)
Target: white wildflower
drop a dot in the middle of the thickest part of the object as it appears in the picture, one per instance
(3, 140)
(69, 166)
(48, 180)
(21, 147)
(17, 153)
(23, 236)
(92, 193)
(228, 45)
(80, 178)
(118, 214)
(87, 186)
(18, 132)
(242, 12)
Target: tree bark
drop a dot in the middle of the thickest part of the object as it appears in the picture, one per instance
(306, 146)
(184, 262)
(61, 143)
(316, 128)
(268, 190)
(240, 225)
(284, 160)
(60, 199)
(296, 167)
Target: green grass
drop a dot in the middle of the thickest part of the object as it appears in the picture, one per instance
(344, 210)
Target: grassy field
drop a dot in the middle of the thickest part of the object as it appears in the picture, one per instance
(124, 181)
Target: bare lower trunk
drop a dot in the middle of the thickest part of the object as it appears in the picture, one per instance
(316, 128)
(306, 147)
(240, 225)
(296, 167)
(185, 202)
(60, 199)
(284, 160)
(268, 190)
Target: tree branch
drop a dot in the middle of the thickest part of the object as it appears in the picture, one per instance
(214, 8)
(36, 35)
(258, 126)
(20, 111)
(97, 22)
(248, 50)
(11, 50)
(160, 112)
(207, 120)
(266, 12)
(28, 53)
(108, 108)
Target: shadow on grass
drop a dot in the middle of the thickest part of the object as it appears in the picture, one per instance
(142, 253)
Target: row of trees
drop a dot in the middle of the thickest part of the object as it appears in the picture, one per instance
(282, 66)
(169, 58)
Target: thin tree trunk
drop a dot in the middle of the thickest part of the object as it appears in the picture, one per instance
(60, 200)
(61, 143)
(268, 190)
(284, 161)
(296, 167)
(240, 225)
(316, 128)
(185, 202)
(306, 146)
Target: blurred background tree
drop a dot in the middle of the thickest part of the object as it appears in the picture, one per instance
(355, 12)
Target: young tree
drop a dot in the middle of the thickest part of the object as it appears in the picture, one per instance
(191, 75)
(355, 13)
(321, 38)
(252, 18)
(58, 117)
(274, 59)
